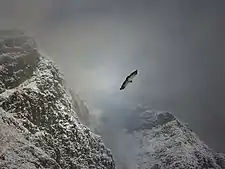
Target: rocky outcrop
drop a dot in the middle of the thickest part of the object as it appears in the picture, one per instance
(39, 127)
(167, 143)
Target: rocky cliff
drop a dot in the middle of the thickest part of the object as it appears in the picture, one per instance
(39, 127)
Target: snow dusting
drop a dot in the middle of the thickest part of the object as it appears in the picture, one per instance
(36, 103)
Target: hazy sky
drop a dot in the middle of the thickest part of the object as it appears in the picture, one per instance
(177, 46)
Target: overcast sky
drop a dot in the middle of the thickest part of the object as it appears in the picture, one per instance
(177, 46)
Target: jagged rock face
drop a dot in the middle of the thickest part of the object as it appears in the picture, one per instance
(167, 143)
(38, 113)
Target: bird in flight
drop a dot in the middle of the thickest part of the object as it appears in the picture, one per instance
(128, 79)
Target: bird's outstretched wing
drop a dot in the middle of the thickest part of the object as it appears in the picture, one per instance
(132, 75)
(128, 79)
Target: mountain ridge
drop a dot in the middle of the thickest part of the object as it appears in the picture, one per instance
(37, 104)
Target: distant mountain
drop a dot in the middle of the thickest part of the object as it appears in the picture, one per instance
(145, 139)
(39, 120)
(167, 143)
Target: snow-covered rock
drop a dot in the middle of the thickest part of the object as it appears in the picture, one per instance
(167, 143)
(39, 127)
(143, 138)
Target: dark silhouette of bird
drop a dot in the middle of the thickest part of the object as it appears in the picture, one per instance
(128, 79)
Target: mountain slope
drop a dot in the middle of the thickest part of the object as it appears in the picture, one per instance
(141, 138)
(38, 113)
(165, 142)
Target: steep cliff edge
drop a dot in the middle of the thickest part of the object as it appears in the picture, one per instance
(39, 127)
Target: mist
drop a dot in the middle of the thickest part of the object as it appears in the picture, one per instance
(177, 46)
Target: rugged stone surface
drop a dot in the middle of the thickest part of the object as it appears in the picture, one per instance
(38, 120)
